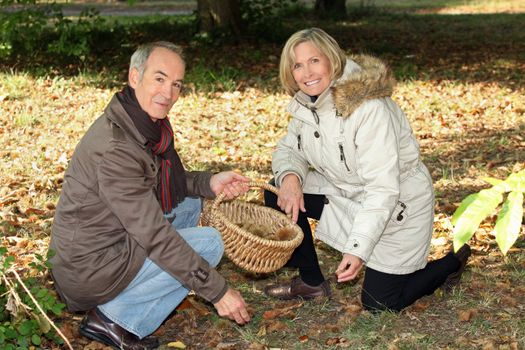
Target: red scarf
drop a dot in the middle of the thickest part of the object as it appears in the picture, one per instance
(172, 189)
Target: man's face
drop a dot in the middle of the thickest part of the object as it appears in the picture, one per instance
(161, 83)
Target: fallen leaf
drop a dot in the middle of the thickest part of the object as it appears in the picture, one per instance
(262, 331)
(256, 346)
(161, 331)
(193, 305)
(34, 211)
(303, 338)
(176, 345)
(509, 301)
(421, 305)
(466, 315)
(353, 309)
(338, 341)
(226, 345)
(281, 312)
(68, 330)
(271, 314)
(276, 326)
(519, 290)
(186, 304)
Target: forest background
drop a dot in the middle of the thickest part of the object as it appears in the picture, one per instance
(460, 69)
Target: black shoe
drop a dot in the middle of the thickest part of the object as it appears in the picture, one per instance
(462, 255)
(96, 327)
(297, 289)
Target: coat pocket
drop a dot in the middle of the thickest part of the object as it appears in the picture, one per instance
(336, 221)
(400, 214)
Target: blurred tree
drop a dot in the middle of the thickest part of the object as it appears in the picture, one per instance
(330, 8)
(219, 15)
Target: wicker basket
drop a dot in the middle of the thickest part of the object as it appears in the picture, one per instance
(245, 249)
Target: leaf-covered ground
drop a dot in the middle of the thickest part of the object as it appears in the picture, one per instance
(462, 86)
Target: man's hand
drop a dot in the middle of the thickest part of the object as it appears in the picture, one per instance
(229, 182)
(348, 268)
(291, 198)
(233, 306)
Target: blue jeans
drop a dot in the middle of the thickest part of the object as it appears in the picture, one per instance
(153, 294)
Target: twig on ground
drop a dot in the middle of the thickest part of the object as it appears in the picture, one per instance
(40, 308)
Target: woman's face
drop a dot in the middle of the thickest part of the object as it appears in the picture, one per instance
(311, 69)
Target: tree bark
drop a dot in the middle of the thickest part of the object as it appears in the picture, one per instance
(330, 8)
(219, 14)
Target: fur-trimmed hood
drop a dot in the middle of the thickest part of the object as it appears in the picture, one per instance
(364, 78)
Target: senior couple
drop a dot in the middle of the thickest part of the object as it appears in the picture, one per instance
(126, 236)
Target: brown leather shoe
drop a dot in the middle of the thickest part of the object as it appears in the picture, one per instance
(462, 255)
(94, 326)
(297, 289)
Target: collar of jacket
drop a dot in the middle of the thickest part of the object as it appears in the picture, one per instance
(364, 78)
(117, 115)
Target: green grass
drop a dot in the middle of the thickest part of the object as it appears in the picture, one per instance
(461, 84)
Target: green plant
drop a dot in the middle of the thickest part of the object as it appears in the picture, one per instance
(73, 37)
(20, 29)
(31, 29)
(476, 207)
(22, 323)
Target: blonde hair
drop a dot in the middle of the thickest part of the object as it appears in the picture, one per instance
(323, 42)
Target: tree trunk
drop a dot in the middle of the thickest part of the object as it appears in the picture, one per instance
(330, 8)
(219, 14)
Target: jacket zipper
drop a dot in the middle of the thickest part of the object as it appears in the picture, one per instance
(343, 158)
(299, 142)
(312, 109)
(316, 116)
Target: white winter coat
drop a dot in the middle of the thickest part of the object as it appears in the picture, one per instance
(355, 145)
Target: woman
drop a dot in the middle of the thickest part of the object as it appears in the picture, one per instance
(350, 159)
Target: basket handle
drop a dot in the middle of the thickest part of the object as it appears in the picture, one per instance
(251, 184)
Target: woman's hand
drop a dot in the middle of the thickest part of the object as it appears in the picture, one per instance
(229, 182)
(348, 268)
(290, 198)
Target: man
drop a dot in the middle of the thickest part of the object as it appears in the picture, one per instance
(125, 233)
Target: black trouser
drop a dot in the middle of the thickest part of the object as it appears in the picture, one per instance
(380, 290)
(304, 256)
(383, 291)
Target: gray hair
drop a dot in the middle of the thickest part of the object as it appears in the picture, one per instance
(141, 55)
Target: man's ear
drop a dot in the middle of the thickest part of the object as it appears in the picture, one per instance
(133, 77)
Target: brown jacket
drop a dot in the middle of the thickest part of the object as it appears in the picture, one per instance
(108, 219)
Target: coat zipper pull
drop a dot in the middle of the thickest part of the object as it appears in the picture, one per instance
(343, 158)
(299, 142)
(316, 116)
(400, 215)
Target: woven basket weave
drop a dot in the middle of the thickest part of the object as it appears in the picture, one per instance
(245, 249)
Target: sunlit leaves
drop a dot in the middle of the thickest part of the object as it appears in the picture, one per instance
(479, 208)
(516, 181)
(464, 205)
(476, 207)
(508, 225)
